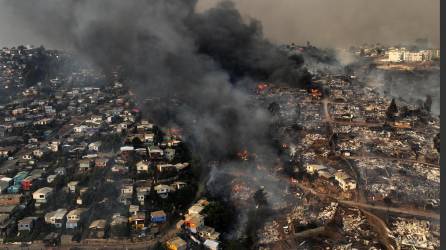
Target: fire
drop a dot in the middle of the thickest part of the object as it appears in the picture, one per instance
(315, 92)
(243, 155)
(175, 132)
(262, 87)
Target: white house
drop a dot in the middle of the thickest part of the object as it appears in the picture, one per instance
(94, 146)
(396, 55)
(345, 181)
(313, 168)
(56, 218)
(163, 190)
(41, 195)
(142, 167)
(72, 185)
(73, 217)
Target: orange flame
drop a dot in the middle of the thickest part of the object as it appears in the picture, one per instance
(262, 87)
(243, 155)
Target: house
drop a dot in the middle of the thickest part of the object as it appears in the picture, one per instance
(56, 218)
(195, 209)
(26, 224)
(137, 221)
(162, 190)
(133, 209)
(182, 166)
(158, 216)
(42, 195)
(148, 137)
(10, 199)
(127, 188)
(72, 185)
(193, 222)
(144, 127)
(198, 207)
(6, 151)
(73, 217)
(54, 146)
(84, 165)
(345, 181)
(28, 182)
(208, 233)
(142, 167)
(95, 146)
(126, 149)
(97, 228)
(176, 243)
(141, 195)
(313, 169)
(165, 167)
(178, 185)
(101, 162)
(211, 244)
(156, 153)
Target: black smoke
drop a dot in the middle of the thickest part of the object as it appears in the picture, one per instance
(168, 51)
(195, 67)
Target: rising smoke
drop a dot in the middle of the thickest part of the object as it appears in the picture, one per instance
(168, 50)
(203, 60)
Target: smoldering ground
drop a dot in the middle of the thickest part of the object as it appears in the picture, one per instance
(411, 87)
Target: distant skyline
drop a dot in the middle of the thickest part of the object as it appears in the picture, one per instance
(324, 23)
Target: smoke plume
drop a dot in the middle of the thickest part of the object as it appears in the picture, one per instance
(169, 51)
(197, 66)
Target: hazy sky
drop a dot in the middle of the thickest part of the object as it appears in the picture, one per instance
(344, 22)
(337, 23)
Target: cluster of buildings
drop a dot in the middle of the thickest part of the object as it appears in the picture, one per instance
(398, 54)
(405, 55)
(196, 233)
(79, 162)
